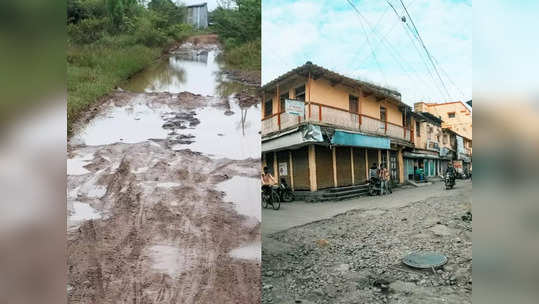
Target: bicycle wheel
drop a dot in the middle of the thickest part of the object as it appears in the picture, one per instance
(275, 202)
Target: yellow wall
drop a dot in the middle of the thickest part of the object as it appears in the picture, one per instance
(461, 124)
(338, 96)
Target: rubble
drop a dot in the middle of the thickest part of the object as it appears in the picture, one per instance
(361, 257)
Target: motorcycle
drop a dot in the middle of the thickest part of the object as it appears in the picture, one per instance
(375, 186)
(449, 181)
(285, 192)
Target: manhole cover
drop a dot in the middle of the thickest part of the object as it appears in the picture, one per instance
(425, 260)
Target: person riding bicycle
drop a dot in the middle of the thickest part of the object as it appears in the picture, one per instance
(267, 180)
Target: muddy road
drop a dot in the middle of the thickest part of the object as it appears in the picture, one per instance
(162, 188)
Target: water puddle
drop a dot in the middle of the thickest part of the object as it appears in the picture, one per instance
(234, 136)
(75, 165)
(133, 123)
(251, 251)
(195, 71)
(167, 259)
(82, 212)
(244, 193)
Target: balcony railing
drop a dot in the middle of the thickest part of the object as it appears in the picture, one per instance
(332, 116)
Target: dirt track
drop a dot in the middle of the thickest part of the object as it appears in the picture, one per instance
(146, 221)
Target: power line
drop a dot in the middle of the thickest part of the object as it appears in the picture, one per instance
(425, 48)
(367, 37)
(394, 54)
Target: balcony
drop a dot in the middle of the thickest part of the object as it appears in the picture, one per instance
(337, 118)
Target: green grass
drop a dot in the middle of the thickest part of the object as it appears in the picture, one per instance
(245, 56)
(94, 70)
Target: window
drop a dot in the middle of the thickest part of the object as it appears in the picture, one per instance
(383, 114)
(300, 93)
(417, 128)
(282, 99)
(451, 114)
(445, 139)
(268, 107)
(353, 104)
(383, 118)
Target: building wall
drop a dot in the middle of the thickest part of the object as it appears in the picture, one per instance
(423, 136)
(284, 157)
(461, 123)
(338, 96)
(198, 16)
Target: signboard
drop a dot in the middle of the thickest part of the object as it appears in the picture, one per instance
(283, 169)
(295, 107)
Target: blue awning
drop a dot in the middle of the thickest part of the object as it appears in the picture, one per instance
(342, 138)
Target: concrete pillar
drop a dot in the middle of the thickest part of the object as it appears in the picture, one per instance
(387, 159)
(400, 159)
(379, 157)
(312, 168)
(334, 157)
(352, 165)
(291, 170)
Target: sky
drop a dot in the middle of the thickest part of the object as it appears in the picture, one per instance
(331, 34)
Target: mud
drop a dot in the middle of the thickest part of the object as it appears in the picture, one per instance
(149, 220)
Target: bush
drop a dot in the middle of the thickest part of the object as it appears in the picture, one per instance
(245, 56)
(87, 30)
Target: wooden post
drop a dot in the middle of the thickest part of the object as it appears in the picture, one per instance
(291, 170)
(400, 159)
(312, 168)
(367, 164)
(278, 108)
(334, 156)
(308, 88)
(275, 166)
(320, 113)
(263, 103)
(352, 165)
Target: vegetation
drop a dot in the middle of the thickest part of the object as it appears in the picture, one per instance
(110, 40)
(238, 24)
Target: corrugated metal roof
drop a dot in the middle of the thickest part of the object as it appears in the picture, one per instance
(318, 71)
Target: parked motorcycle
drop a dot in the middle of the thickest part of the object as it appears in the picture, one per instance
(375, 186)
(449, 181)
(285, 192)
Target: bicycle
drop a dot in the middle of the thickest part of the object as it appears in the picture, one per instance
(270, 197)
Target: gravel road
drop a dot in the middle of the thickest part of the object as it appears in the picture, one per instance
(355, 257)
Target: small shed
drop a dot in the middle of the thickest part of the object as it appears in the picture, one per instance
(197, 15)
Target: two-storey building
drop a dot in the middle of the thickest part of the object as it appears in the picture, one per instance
(323, 130)
(425, 154)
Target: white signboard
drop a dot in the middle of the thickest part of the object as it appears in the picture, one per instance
(295, 107)
(283, 169)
